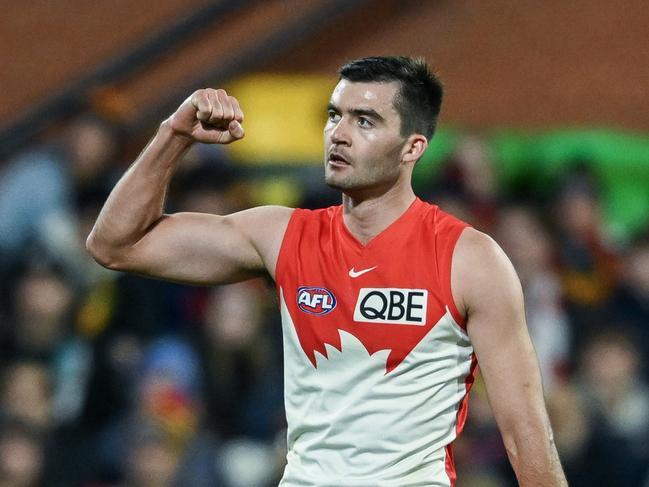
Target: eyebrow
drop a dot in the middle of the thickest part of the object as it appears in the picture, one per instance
(358, 112)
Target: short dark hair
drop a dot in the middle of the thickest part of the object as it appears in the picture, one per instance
(419, 99)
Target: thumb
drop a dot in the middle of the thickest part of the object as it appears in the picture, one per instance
(236, 130)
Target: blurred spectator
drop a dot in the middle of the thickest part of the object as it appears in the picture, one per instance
(21, 456)
(588, 263)
(572, 433)
(630, 304)
(162, 437)
(616, 402)
(153, 461)
(467, 185)
(42, 304)
(473, 159)
(43, 330)
(248, 463)
(202, 182)
(244, 361)
(38, 190)
(27, 395)
(530, 247)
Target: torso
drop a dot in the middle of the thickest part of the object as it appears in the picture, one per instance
(377, 360)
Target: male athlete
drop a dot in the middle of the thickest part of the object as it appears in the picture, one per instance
(387, 302)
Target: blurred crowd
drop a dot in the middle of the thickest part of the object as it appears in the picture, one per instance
(113, 380)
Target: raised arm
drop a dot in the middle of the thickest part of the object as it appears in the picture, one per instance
(488, 291)
(132, 233)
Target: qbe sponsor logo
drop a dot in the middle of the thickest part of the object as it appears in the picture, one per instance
(391, 305)
(315, 300)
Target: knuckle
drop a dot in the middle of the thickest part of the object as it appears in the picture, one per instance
(217, 112)
(199, 99)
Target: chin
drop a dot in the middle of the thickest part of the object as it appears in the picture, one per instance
(331, 178)
(332, 183)
(343, 185)
(340, 185)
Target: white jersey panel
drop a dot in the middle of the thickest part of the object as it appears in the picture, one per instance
(351, 424)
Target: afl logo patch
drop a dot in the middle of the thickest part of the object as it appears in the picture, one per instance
(315, 300)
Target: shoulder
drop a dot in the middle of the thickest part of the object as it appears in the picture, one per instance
(261, 222)
(474, 245)
(264, 228)
(441, 222)
(482, 274)
(270, 215)
(303, 219)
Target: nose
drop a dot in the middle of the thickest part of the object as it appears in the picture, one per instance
(340, 133)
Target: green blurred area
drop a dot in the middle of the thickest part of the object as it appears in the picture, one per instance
(537, 161)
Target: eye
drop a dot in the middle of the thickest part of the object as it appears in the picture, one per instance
(333, 116)
(365, 123)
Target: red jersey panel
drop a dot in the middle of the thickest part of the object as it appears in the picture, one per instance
(377, 361)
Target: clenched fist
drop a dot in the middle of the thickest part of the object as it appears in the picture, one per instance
(209, 116)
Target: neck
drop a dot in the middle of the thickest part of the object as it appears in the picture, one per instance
(366, 216)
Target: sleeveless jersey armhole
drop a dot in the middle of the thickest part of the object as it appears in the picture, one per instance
(287, 246)
(446, 251)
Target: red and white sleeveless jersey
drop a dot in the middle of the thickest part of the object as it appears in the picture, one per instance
(377, 360)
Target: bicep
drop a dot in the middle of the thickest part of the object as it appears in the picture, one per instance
(199, 248)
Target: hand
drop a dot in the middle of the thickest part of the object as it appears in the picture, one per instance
(209, 116)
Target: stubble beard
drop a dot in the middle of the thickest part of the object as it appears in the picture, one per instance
(355, 182)
(347, 182)
(341, 184)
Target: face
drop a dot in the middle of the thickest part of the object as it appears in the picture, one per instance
(362, 139)
(91, 147)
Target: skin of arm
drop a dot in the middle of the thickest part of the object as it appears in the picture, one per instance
(488, 292)
(132, 234)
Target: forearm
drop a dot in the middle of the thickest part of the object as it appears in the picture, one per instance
(534, 456)
(138, 199)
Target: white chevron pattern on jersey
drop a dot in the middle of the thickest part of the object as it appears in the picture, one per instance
(351, 424)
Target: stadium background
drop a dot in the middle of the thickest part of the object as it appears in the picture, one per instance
(113, 380)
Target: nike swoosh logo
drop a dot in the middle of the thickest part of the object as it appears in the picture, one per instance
(353, 273)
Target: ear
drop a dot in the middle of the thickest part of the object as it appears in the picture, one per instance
(414, 148)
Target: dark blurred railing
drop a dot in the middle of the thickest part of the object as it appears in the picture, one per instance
(73, 99)
(287, 35)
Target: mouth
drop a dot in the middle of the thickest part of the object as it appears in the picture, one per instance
(336, 159)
